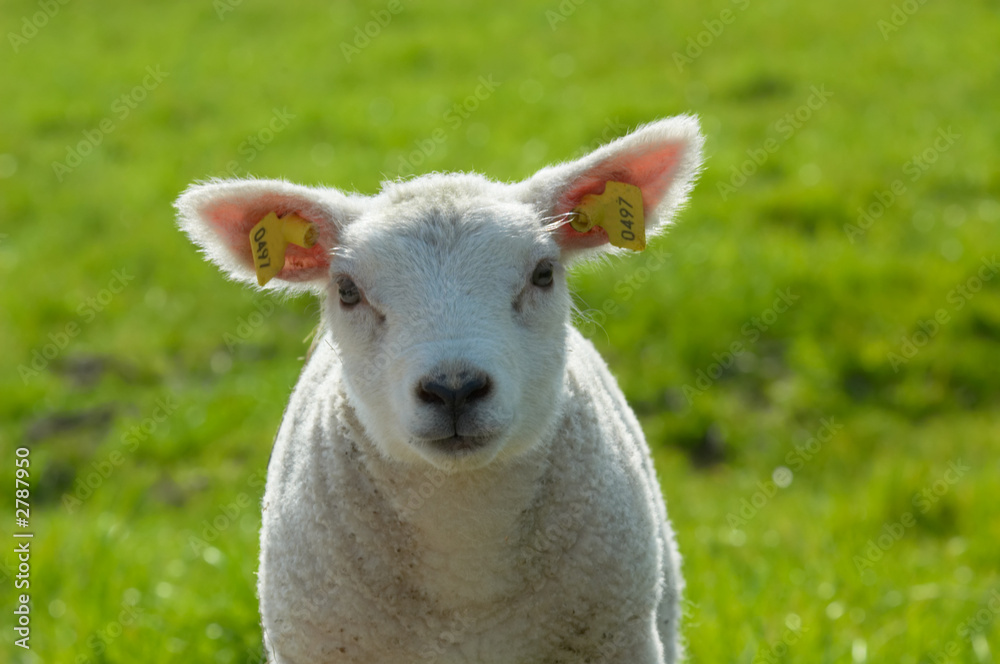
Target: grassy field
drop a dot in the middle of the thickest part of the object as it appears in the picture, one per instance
(815, 363)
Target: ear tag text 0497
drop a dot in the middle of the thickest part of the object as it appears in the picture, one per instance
(618, 211)
(271, 236)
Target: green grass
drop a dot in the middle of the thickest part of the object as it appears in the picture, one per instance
(775, 578)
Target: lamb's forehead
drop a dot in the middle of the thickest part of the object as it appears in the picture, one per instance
(445, 213)
(440, 187)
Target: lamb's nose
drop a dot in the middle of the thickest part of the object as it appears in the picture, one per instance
(439, 391)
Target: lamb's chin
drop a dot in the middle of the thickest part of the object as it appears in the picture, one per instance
(458, 453)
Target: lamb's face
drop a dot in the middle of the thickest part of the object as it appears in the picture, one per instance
(449, 312)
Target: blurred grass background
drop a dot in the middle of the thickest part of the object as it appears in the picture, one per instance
(833, 482)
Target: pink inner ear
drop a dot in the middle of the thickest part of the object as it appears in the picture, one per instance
(651, 169)
(233, 221)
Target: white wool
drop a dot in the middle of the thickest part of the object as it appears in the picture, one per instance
(458, 477)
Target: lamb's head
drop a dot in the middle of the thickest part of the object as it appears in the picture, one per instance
(447, 302)
(446, 295)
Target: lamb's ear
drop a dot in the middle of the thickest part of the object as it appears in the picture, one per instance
(661, 158)
(218, 216)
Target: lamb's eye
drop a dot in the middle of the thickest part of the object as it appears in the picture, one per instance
(349, 293)
(542, 276)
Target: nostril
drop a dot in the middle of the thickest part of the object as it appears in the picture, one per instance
(438, 391)
(479, 387)
(435, 393)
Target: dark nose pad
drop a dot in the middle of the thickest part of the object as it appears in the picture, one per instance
(454, 393)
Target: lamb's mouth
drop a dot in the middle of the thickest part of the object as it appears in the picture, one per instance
(460, 445)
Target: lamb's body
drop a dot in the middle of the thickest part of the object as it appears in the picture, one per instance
(561, 555)
(458, 477)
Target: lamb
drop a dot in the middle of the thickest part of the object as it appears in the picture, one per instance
(457, 477)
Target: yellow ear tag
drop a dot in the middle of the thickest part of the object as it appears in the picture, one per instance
(618, 211)
(271, 236)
